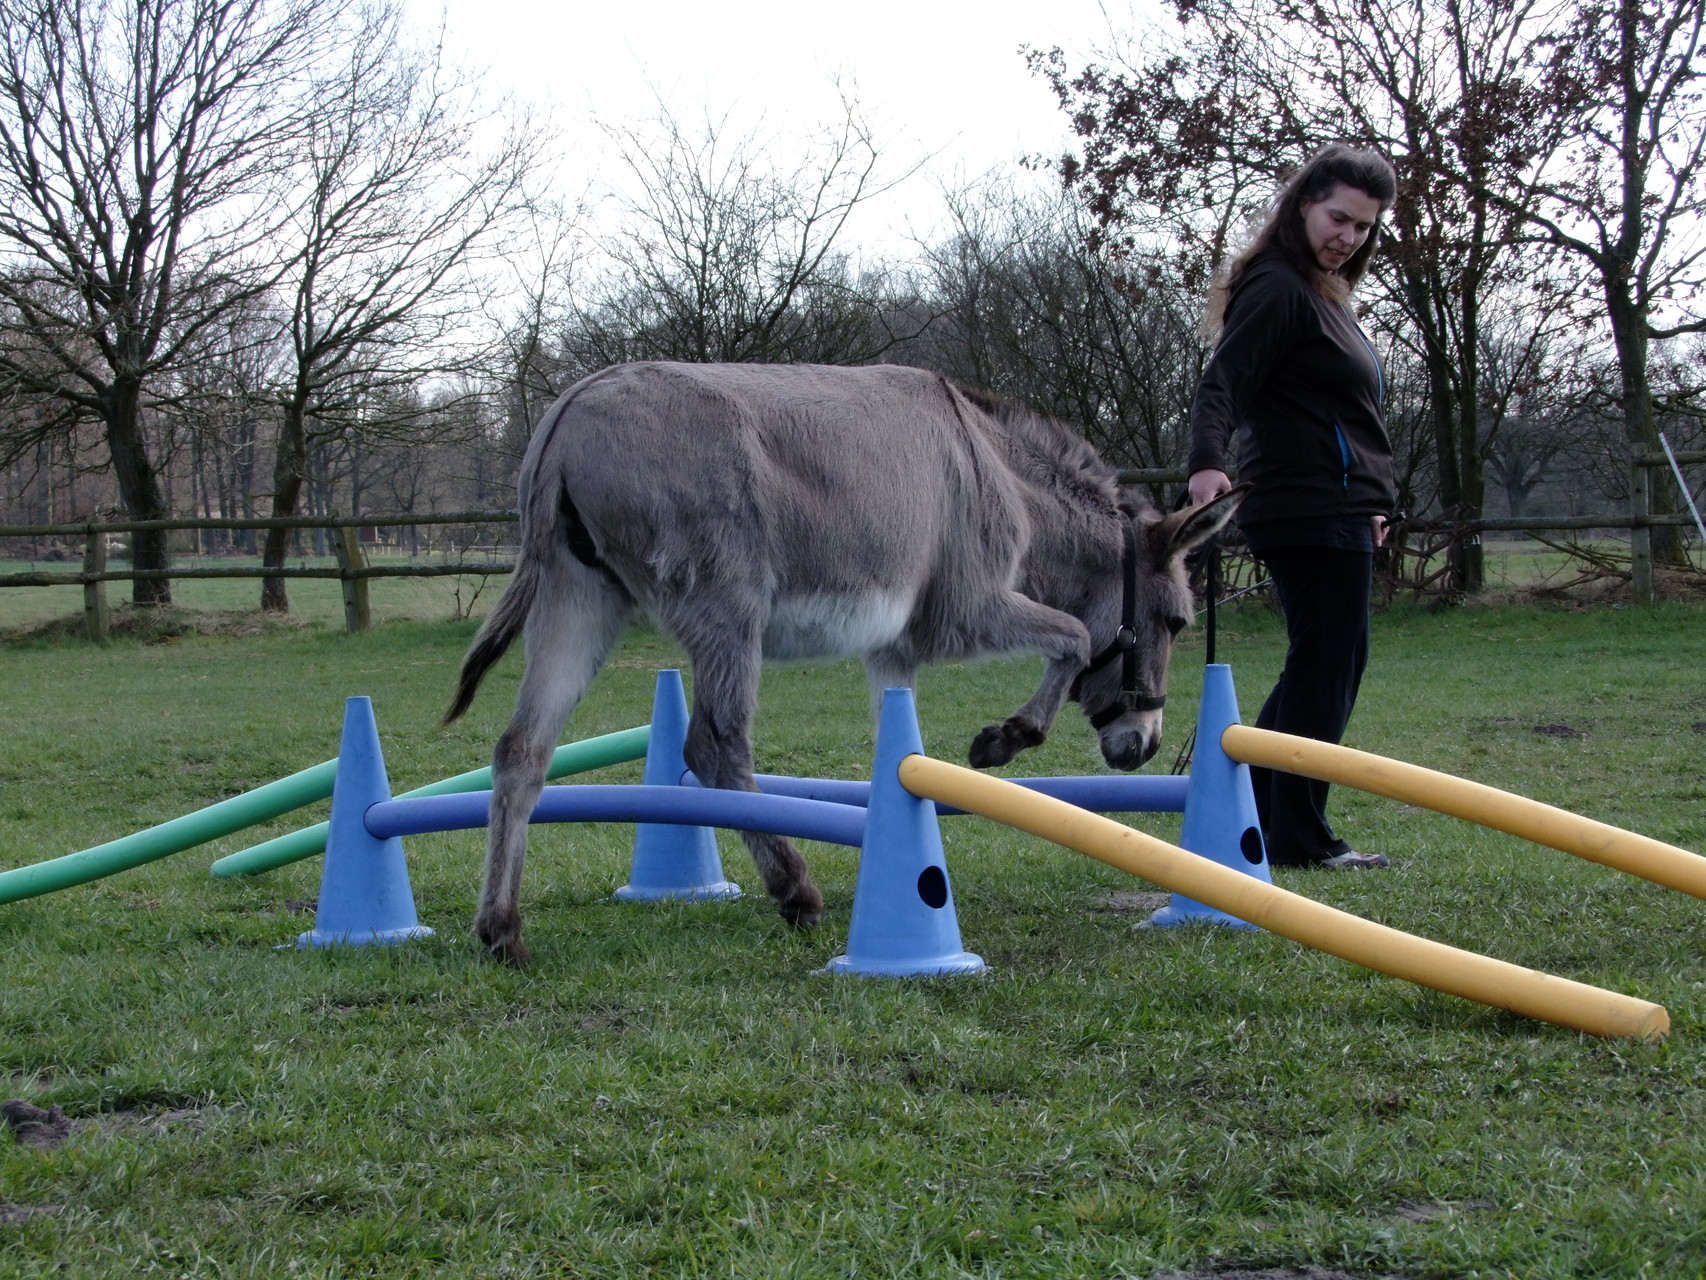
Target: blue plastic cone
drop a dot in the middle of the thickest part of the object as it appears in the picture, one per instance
(903, 921)
(365, 897)
(1220, 806)
(672, 861)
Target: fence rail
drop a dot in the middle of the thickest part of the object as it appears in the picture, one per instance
(353, 571)
(361, 573)
(84, 528)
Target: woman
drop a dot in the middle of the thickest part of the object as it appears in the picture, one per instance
(1297, 383)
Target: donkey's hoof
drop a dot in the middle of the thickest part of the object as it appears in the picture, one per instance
(990, 748)
(803, 908)
(503, 943)
(999, 743)
(515, 954)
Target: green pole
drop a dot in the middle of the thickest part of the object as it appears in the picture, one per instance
(260, 805)
(574, 757)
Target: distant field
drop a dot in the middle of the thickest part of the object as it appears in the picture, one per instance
(315, 600)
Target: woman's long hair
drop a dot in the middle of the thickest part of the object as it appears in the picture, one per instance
(1334, 166)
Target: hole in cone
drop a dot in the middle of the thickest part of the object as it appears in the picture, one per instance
(933, 887)
(1250, 845)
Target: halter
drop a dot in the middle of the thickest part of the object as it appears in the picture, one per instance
(1124, 647)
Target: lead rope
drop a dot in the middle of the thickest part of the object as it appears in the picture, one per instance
(1212, 590)
(1211, 593)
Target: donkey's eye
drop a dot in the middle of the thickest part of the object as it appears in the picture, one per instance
(1176, 625)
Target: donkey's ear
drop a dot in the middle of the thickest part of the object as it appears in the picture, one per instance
(1184, 531)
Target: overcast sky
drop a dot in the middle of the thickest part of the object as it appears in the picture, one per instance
(937, 79)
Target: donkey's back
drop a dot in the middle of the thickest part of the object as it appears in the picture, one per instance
(827, 500)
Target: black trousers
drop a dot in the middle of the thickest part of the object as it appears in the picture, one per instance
(1324, 593)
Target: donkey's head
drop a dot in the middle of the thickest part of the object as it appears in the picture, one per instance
(1133, 615)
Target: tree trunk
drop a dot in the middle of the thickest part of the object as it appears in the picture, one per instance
(139, 488)
(243, 482)
(290, 470)
(1461, 483)
(1647, 544)
(1468, 557)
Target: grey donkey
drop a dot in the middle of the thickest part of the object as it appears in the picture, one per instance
(806, 511)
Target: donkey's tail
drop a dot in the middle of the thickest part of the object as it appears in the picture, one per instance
(505, 622)
(501, 626)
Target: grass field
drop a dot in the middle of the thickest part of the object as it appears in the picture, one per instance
(312, 600)
(674, 1091)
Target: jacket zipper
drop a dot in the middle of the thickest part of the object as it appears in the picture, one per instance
(1379, 373)
(1379, 398)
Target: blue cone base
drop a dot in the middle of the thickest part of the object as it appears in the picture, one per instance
(671, 861)
(365, 898)
(923, 967)
(362, 938)
(903, 923)
(1183, 910)
(1220, 808)
(722, 889)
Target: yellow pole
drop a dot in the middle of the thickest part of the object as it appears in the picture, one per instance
(1516, 815)
(1403, 955)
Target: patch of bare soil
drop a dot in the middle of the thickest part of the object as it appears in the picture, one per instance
(1435, 1211)
(1122, 900)
(1593, 590)
(155, 1124)
(162, 625)
(13, 1214)
(32, 1127)
(1412, 1211)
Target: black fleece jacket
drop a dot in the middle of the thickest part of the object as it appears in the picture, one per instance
(1301, 387)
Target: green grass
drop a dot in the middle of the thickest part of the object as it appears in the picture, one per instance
(312, 600)
(674, 1091)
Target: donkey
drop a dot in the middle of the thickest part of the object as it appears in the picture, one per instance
(809, 511)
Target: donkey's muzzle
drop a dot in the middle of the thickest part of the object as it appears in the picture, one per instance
(1130, 740)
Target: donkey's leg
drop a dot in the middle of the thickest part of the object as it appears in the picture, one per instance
(577, 617)
(886, 669)
(719, 751)
(1016, 623)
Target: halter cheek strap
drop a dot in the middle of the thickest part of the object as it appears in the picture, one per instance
(1124, 647)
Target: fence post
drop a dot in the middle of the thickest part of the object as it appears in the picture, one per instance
(96, 617)
(358, 616)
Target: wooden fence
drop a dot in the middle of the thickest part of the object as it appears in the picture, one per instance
(354, 572)
(352, 569)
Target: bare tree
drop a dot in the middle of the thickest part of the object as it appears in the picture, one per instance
(543, 261)
(732, 251)
(401, 204)
(1180, 135)
(140, 168)
(1028, 305)
(1626, 196)
(1201, 123)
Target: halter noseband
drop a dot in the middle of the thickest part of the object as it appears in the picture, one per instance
(1124, 647)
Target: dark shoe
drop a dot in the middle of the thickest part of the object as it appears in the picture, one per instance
(1351, 860)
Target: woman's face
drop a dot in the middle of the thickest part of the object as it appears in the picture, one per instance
(1338, 223)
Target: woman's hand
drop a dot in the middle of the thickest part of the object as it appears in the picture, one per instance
(1380, 524)
(1205, 486)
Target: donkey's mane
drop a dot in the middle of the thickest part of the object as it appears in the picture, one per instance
(1050, 453)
